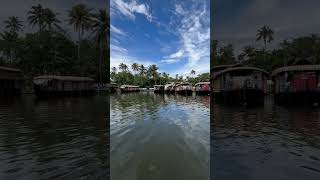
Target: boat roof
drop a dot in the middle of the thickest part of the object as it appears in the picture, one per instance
(9, 69)
(185, 83)
(296, 68)
(240, 69)
(158, 85)
(123, 86)
(202, 83)
(64, 78)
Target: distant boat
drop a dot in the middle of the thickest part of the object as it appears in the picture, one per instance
(202, 88)
(184, 89)
(129, 88)
(299, 82)
(244, 85)
(169, 88)
(11, 81)
(158, 88)
(63, 85)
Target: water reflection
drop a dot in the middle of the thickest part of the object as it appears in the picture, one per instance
(62, 138)
(159, 137)
(268, 142)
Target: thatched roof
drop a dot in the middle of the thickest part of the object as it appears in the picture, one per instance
(202, 83)
(296, 68)
(240, 69)
(3, 68)
(128, 86)
(64, 78)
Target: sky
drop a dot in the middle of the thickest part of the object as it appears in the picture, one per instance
(172, 34)
(236, 22)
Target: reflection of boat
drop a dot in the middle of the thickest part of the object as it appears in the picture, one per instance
(184, 88)
(240, 84)
(169, 88)
(299, 82)
(158, 88)
(62, 85)
(202, 88)
(129, 88)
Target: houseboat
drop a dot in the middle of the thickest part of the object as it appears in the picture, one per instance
(63, 85)
(129, 88)
(11, 81)
(244, 85)
(158, 89)
(169, 88)
(184, 88)
(298, 83)
(202, 88)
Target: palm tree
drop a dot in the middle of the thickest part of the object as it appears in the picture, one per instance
(36, 16)
(80, 18)
(50, 19)
(265, 34)
(123, 67)
(101, 30)
(13, 26)
(192, 73)
(135, 67)
(142, 72)
(153, 70)
(114, 69)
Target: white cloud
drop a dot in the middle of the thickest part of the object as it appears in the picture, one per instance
(116, 30)
(194, 34)
(115, 48)
(129, 9)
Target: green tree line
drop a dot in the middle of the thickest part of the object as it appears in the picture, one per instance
(149, 76)
(285, 54)
(50, 50)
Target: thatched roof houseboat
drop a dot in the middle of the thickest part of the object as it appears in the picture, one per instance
(202, 88)
(299, 82)
(184, 88)
(158, 88)
(240, 84)
(11, 81)
(129, 88)
(62, 85)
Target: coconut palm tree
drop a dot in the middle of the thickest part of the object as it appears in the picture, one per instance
(101, 30)
(13, 25)
(80, 17)
(192, 73)
(50, 20)
(36, 16)
(142, 72)
(265, 34)
(135, 67)
(153, 70)
(123, 67)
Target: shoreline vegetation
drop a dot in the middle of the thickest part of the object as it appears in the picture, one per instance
(52, 49)
(286, 52)
(149, 76)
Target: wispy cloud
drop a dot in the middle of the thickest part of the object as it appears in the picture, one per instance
(129, 9)
(194, 35)
(116, 30)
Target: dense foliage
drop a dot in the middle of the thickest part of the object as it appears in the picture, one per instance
(285, 54)
(50, 50)
(148, 76)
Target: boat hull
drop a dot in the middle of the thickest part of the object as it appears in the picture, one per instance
(43, 92)
(185, 92)
(297, 98)
(206, 93)
(236, 97)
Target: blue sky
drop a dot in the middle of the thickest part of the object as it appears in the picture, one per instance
(236, 22)
(172, 34)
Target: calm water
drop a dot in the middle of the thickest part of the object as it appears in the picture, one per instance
(62, 138)
(159, 137)
(268, 142)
